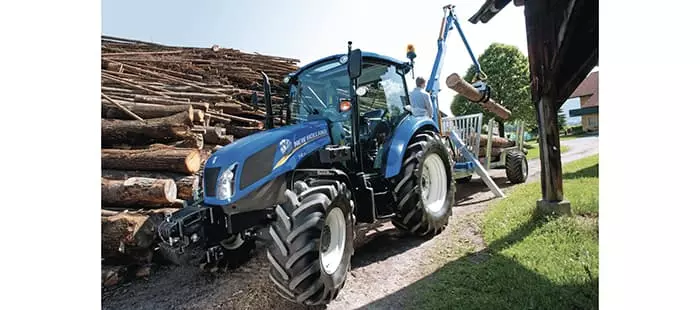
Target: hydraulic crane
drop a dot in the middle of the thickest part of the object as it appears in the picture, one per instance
(449, 22)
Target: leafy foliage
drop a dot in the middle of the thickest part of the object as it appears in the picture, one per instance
(561, 119)
(509, 78)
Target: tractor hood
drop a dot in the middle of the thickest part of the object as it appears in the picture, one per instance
(261, 157)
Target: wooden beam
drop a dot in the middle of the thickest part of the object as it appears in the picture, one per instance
(542, 44)
(550, 152)
(578, 52)
(571, 79)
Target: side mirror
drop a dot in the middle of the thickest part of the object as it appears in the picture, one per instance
(355, 64)
(408, 109)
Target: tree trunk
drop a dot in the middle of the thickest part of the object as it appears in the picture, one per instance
(158, 130)
(216, 135)
(495, 151)
(143, 110)
(229, 108)
(186, 184)
(156, 158)
(496, 142)
(459, 85)
(243, 120)
(240, 132)
(138, 191)
(199, 116)
(193, 141)
(128, 237)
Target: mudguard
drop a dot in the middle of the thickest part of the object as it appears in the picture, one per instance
(401, 137)
(262, 157)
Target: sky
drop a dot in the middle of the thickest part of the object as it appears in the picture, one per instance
(312, 29)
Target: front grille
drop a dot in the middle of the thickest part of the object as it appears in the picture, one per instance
(210, 177)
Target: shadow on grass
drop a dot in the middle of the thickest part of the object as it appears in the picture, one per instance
(498, 283)
(588, 172)
(488, 279)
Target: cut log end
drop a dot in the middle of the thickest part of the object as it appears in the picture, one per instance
(193, 162)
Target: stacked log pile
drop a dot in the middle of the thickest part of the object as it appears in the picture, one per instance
(165, 109)
(497, 145)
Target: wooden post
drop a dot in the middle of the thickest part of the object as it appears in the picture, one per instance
(550, 157)
(542, 37)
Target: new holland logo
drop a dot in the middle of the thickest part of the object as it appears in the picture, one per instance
(285, 146)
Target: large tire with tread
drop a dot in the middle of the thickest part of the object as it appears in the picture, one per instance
(412, 214)
(316, 213)
(516, 167)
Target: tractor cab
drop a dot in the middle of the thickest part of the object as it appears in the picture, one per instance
(362, 111)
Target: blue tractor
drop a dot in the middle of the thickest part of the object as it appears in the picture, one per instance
(351, 153)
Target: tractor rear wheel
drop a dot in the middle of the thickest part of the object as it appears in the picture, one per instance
(425, 187)
(312, 242)
(516, 167)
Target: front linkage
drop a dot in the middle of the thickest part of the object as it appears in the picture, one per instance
(206, 236)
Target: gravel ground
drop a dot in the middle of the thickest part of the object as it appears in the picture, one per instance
(384, 264)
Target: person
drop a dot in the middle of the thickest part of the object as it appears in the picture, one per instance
(420, 100)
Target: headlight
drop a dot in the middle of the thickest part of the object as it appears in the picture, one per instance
(224, 185)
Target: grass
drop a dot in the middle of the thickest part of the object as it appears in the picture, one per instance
(533, 150)
(530, 262)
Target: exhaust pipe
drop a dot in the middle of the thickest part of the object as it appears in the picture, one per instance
(269, 117)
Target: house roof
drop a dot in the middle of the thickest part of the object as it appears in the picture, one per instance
(592, 101)
(588, 87)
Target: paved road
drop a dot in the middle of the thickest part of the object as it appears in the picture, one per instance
(578, 148)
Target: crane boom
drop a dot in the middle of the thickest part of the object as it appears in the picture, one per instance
(449, 21)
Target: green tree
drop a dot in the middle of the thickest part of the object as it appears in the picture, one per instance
(561, 119)
(508, 75)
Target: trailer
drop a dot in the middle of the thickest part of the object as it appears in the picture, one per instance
(468, 128)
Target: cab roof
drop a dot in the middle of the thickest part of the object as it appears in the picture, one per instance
(365, 55)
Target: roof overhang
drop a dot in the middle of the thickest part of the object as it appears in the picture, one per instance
(490, 8)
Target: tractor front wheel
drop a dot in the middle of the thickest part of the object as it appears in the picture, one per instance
(425, 187)
(312, 242)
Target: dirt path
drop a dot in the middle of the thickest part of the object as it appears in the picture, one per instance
(383, 266)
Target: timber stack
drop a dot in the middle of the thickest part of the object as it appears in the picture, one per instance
(497, 145)
(165, 110)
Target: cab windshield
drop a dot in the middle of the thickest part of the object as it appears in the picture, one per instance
(318, 91)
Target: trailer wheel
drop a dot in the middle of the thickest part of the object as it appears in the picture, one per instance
(312, 242)
(425, 187)
(516, 167)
